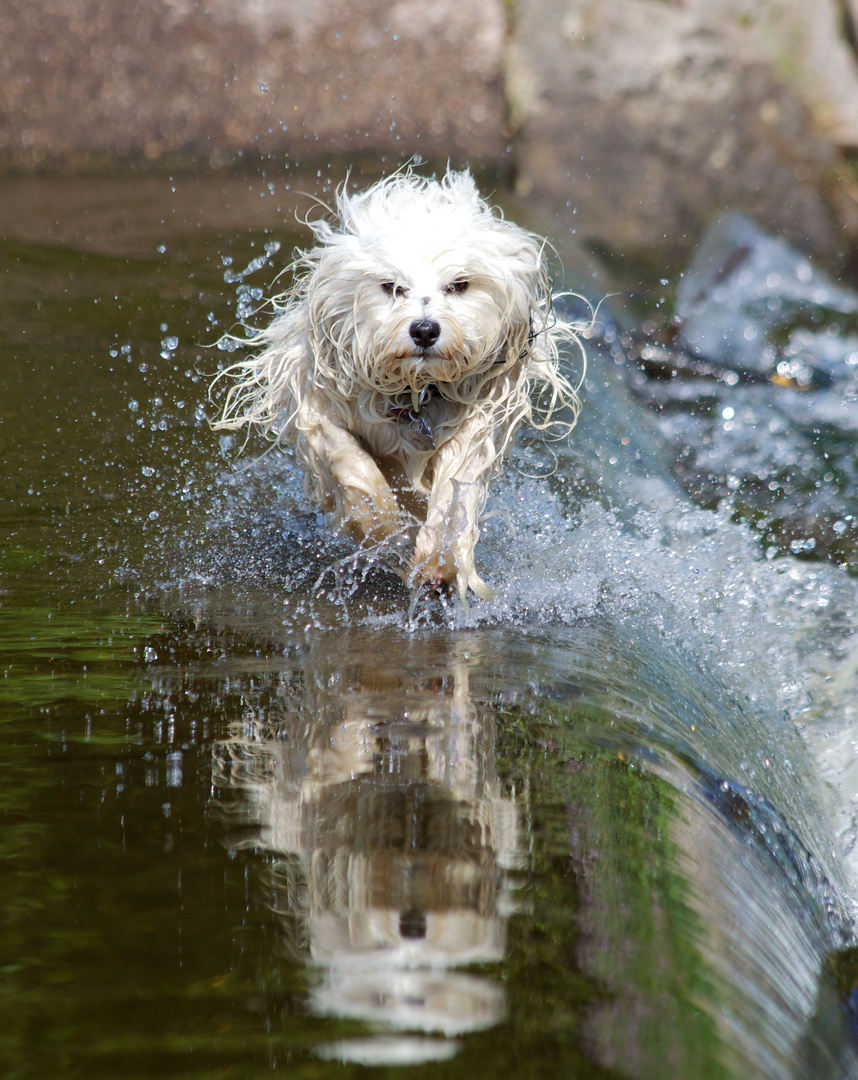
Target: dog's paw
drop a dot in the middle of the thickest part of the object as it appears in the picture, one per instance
(441, 574)
(436, 573)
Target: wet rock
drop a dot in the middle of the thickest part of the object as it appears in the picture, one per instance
(760, 409)
(81, 77)
(643, 119)
(752, 302)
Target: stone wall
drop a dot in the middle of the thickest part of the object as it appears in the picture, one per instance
(215, 78)
(647, 117)
(632, 120)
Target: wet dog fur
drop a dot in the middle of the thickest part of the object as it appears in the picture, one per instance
(416, 334)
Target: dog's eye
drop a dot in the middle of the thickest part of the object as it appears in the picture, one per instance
(392, 289)
(455, 288)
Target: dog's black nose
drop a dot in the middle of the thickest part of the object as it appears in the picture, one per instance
(424, 332)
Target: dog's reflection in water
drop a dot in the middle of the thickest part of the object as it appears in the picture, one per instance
(371, 772)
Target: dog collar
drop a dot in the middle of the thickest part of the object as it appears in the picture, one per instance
(417, 422)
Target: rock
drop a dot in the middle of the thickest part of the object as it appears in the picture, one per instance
(759, 407)
(645, 119)
(157, 77)
(639, 120)
(814, 46)
(750, 302)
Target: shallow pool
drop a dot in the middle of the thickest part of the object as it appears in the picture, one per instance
(261, 814)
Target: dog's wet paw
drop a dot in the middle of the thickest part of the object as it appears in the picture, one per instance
(437, 574)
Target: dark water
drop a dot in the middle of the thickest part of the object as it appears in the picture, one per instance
(259, 816)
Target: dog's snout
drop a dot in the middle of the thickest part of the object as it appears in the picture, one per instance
(424, 332)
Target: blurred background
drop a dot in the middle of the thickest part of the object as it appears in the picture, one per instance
(632, 121)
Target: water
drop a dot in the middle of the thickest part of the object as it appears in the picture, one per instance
(260, 816)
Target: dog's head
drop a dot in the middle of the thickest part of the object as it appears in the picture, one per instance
(420, 283)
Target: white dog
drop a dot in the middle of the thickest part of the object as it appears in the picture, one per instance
(401, 362)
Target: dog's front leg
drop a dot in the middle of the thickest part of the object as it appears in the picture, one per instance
(444, 550)
(348, 483)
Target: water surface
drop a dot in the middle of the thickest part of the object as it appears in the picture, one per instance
(260, 815)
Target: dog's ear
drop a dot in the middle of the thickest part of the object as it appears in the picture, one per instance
(520, 337)
(269, 386)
